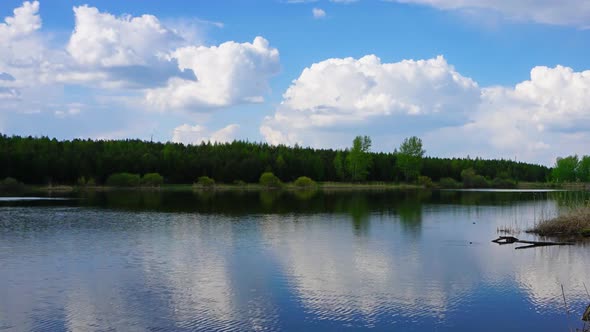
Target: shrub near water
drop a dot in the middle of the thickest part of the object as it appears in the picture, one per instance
(304, 182)
(11, 184)
(205, 181)
(84, 182)
(425, 181)
(503, 183)
(123, 180)
(472, 179)
(81, 181)
(269, 180)
(449, 183)
(152, 179)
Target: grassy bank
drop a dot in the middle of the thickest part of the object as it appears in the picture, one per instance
(327, 186)
(539, 185)
(575, 223)
(366, 186)
(576, 186)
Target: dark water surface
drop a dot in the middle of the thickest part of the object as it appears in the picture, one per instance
(393, 261)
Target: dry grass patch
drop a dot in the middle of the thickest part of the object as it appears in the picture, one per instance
(574, 223)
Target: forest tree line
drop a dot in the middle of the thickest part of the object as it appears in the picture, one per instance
(41, 160)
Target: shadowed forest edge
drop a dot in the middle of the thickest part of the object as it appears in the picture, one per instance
(45, 161)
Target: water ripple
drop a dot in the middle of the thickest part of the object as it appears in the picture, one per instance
(86, 268)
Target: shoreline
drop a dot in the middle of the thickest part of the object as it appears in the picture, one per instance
(328, 186)
(323, 186)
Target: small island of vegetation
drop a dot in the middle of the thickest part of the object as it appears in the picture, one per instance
(575, 223)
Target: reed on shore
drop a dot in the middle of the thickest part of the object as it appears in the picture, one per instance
(574, 223)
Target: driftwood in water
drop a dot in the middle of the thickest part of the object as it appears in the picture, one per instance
(531, 244)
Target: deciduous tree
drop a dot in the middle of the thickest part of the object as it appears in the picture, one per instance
(409, 157)
(565, 169)
(359, 159)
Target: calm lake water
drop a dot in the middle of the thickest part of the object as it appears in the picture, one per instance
(393, 261)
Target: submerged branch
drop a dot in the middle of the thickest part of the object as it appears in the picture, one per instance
(530, 244)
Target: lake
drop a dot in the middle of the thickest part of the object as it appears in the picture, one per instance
(300, 261)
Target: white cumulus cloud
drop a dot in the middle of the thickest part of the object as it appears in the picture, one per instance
(124, 63)
(228, 74)
(120, 52)
(537, 119)
(117, 63)
(105, 40)
(318, 13)
(25, 21)
(343, 93)
(197, 134)
(103, 51)
(22, 51)
(556, 97)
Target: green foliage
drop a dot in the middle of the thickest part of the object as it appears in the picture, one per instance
(410, 166)
(449, 183)
(85, 182)
(504, 181)
(425, 181)
(565, 169)
(152, 180)
(11, 184)
(123, 180)
(583, 170)
(412, 146)
(339, 166)
(205, 181)
(571, 169)
(239, 183)
(38, 160)
(280, 164)
(409, 157)
(473, 180)
(81, 181)
(269, 180)
(358, 159)
(304, 182)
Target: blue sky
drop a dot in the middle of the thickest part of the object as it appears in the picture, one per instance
(497, 79)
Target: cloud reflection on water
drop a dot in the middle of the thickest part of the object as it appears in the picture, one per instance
(370, 261)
